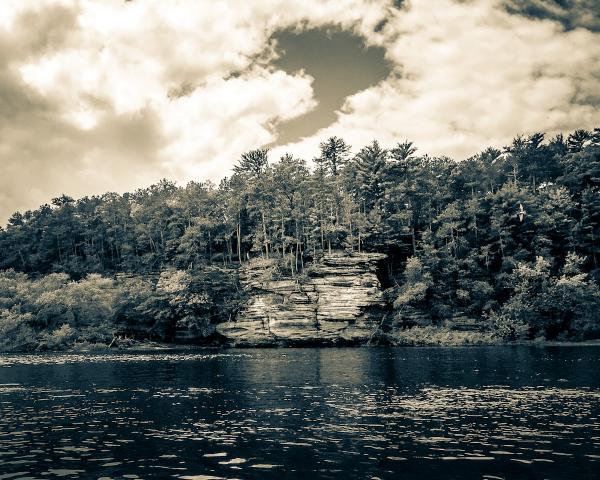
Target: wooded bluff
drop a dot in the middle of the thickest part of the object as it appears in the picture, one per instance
(502, 246)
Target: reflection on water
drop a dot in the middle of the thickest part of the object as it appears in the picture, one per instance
(492, 412)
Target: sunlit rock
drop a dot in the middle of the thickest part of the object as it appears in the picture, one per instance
(337, 300)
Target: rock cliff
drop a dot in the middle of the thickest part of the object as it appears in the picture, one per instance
(337, 300)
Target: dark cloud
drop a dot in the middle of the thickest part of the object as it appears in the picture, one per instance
(43, 155)
(570, 13)
(136, 136)
(38, 31)
(98, 96)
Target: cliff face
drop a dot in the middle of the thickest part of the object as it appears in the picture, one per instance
(337, 301)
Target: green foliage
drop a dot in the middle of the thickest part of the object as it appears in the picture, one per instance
(416, 283)
(190, 300)
(16, 332)
(57, 339)
(334, 154)
(462, 238)
(53, 311)
(436, 336)
(548, 305)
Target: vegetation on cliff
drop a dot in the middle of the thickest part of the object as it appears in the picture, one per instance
(508, 237)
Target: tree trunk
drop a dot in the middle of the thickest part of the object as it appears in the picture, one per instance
(594, 258)
(265, 240)
(239, 242)
(297, 234)
(352, 237)
(22, 258)
(322, 237)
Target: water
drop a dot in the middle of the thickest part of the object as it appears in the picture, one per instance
(490, 412)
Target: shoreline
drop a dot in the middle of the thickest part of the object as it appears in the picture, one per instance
(417, 336)
(143, 346)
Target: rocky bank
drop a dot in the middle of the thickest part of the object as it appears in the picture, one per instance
(335, 301)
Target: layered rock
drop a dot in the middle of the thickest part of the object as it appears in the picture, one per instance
(337, 301)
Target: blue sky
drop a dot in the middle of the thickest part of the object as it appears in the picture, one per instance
(107, 95)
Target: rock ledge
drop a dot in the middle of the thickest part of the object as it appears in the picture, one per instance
(338, 301)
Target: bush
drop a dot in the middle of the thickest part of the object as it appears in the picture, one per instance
(58, 339)
(507, 327)
(431, 336)
(543, 305)
(16, 332)
(53, 312)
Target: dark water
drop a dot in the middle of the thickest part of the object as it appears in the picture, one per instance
(493, 412)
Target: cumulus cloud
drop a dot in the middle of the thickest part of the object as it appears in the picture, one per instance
(111, 95)
(471, 74)
(240, 113)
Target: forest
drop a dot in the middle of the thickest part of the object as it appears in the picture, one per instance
(510, 237)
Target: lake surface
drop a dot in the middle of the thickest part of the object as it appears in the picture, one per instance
(490, 412)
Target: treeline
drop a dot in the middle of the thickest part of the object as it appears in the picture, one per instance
(511, 236)
(54, 311)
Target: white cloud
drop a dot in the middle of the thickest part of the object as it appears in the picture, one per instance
(109, 95)
(472, 75)
(239, 113)
(125, 57)
(103, 95)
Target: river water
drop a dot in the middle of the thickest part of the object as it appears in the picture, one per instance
(491, 412)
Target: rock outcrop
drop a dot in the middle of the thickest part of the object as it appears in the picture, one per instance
(337, 300)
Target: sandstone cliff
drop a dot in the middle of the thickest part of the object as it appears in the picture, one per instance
(337, 300)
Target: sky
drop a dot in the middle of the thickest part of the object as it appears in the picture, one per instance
(113, 95)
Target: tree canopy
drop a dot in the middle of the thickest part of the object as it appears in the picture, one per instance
(489, 232)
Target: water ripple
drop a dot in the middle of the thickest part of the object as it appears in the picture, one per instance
(224, 416)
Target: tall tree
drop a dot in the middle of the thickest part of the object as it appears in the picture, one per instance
(334, 154)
